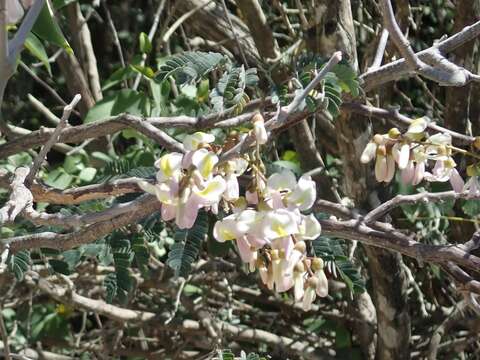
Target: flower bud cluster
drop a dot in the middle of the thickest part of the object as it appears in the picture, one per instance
(411, 153)
(271, 233)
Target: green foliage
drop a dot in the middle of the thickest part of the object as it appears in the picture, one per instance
(187, 245)
(145, 44)
(123, 168)
(330, 249)
(47, 29)
(120, 284)
(230, 90)
(122, 101)
(36, 48)
(471, 208)
(342, 79)
(190, 66)
(18, 263)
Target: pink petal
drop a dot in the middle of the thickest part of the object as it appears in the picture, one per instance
(246, 253)
(187, 213)
(390, 169)
(408, 173)
(381, 168)
(456, 181)
(256, 241)
(252, 197)
(168, 212)
(419, 173)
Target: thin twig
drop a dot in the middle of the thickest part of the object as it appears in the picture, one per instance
(382, 43)
(37, 162)
(151, 34)
(116, 39)
(177, 301)
(239, 46)
(181, 20)
(334, 60)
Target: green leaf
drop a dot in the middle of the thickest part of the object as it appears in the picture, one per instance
(330, 249)
(72, 257)
(144, 70)
(18, 263)
(87, 174)
(59, 179)
(110, 283)
(46, 28)
(145, 44)
(290, 165)
(471, 207)
(160, 93)
(347, 78)
(119, 76)
(190, 66)
(59, 266)
(73, 164)
(187, 245)
(36, 48)
(123, 101)
(230, 90)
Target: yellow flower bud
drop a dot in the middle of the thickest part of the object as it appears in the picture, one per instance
(301, 246)
(317, 264)
(378, 139)
(476, 143)
(394, 133)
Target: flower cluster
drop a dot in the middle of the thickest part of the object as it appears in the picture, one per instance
(411, 152)
(270, 231)
(194, 180)
(267, 223)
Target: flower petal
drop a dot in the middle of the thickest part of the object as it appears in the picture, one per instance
(304, 194)
(368, 153)
(284, 180)
(194, 141)
(212, 192)
(204, 161)
(169, 166)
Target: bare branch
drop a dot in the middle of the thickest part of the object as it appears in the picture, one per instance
(399, 68)
(382, 210)
(75, 134)
(382, 43)
(37, 162)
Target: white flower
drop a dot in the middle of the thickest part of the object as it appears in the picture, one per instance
(401, 154)
(369, 153)
(196, 140)
(169, 167)
(204, 161)
(310, 228)
(304, 194)
(417, 128)
(384, 168)
(283, 181)
(259, 129)
(278, 223)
